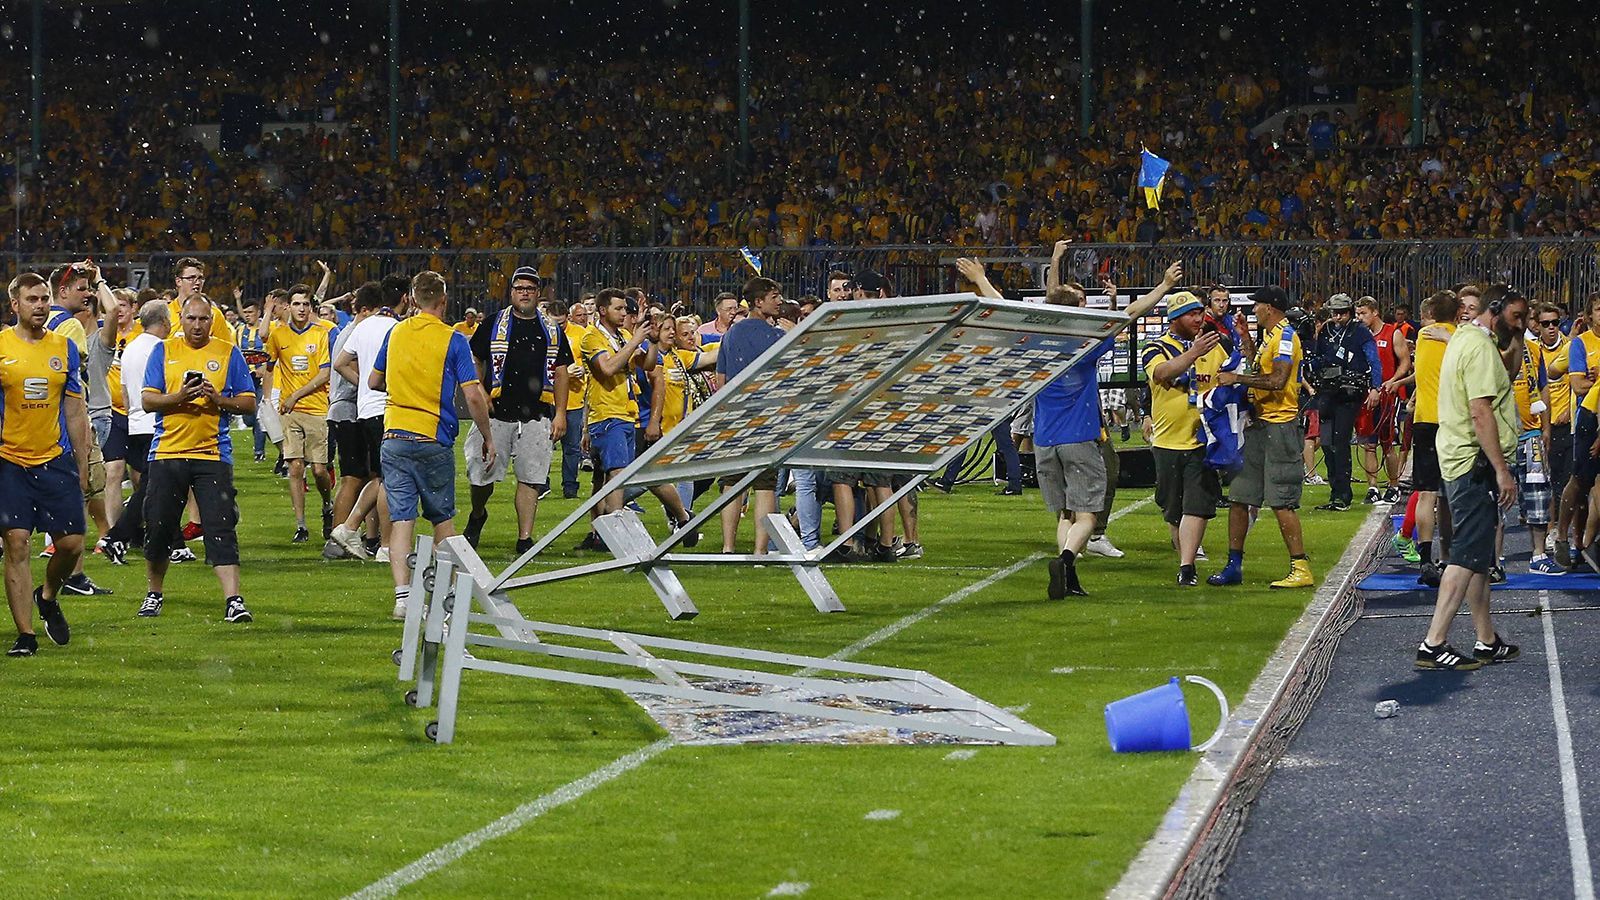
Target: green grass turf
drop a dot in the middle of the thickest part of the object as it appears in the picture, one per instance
(186, 756)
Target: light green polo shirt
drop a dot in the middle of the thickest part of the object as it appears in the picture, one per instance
(1472, 369)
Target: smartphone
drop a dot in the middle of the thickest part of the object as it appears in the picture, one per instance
(192, 376)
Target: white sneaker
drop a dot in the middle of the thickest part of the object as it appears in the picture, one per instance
(350, 540)
(1102, 546)
(1550, 542)
(1200, 553)
(182, 554)
(399, 609)
(383, 555)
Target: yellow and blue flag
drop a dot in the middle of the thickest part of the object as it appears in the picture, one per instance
(751, 259)
(1152, 175)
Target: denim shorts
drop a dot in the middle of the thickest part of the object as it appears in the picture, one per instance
(611, 441)
(419, 473)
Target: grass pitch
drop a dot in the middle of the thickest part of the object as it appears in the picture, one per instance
(186, 756)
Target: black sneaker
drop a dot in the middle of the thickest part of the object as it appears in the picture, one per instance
(235, 611)
(1334, 506)
(911, 550)
(1372, 495)
(327, 520)
(1008, 492)
(1497, 574)
(884, 553)
(1445, 658)
(1591, 557)
(372, 545)
(524, 545)
(151, 607)
(301, 535)
(591, 541)
(1430, 574)
(474, 530)
(55, 624)
(115, 552)
(1058, 579)
(281, 468)
(943, 487)
(26, 645)
(1498, 652)
(1392, 495)
(81, 585)
(1188, 578)
(261, 456)
(690, 539)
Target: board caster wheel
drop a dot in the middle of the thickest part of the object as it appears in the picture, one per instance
(432, 731)
(411, 698)
(396, 656)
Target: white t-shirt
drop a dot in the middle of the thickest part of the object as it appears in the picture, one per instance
(135, 359)
(366, 339)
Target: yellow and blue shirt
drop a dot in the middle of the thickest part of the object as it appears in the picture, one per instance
(35, 380)
(197, 430)
(296, 357)
(424, 361)
(608, 396)
(1280, 347)
(1176, 418)
(220, 329)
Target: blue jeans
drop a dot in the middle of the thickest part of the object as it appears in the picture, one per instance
(808, 505)
(419, 473)
(571, 452)
(1004, 447)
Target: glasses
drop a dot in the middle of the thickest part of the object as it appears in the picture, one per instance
(191, 278)
(1550, 323)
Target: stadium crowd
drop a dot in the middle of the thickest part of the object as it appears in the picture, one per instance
(838, 157)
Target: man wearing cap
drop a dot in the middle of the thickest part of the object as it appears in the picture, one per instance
(469, 322)
(522, 356)
(1179, 364)
(1348, 374)
(1272, 475)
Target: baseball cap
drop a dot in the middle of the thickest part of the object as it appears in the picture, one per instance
(1339, 302)
(1273, 296)
(1181, 304)
(526, 272)
(871, 282)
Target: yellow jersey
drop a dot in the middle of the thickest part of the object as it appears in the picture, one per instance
(197, 430)
(576, 383)
(424, 361)
(295, 357)
(36, 378)
(119, 401)
(1526, 386)
(1176, 420)
(608, 397)
(1280, 347)
(67, 325)
(1555, 376)
(1428, 358)
(675, 367)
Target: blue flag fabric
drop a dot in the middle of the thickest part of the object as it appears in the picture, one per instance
(751, 259)
(1152, 175)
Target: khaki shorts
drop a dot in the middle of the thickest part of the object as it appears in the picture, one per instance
(97, 472)
(305, 436)
(526, 443)
(1274, 470)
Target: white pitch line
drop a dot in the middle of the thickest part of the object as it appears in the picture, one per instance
(1577, 841)
(882, 815)
(437, 859)
(790, 889)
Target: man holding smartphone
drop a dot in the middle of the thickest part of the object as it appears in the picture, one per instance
(195, 385)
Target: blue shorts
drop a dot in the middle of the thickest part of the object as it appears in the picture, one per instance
(611, 442)
(45, 499)
(114, 446)
(419, 473)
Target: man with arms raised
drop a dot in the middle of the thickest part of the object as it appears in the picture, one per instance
(1477, 436)
(195, 384)
(44, 460)
(420, 365)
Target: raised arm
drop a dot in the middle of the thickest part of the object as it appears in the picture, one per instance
(1141, 307)
(322, 286)
(972, 270)
(1053, 277)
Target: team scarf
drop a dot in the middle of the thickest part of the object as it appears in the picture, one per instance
(500, 348)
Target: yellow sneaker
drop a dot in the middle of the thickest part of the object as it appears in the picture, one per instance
(1299, 576)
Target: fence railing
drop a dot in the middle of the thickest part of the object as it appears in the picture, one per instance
(1563, 270)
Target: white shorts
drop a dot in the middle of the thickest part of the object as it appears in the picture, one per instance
(528, 442)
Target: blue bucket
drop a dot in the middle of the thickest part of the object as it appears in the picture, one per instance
(1158, 719)
(1396, 522)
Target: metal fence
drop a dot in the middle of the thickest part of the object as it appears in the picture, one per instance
(1563, 270)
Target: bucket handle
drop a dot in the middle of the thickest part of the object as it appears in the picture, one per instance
(1222, 721)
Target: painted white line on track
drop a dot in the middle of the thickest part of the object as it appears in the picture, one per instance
(1577, 841)
(960, 755)
(435, 860)
(882, 815)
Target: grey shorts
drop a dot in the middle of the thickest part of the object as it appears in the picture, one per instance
(1273, 471)
(527, 442)
(1072, 477)
(1474, 512)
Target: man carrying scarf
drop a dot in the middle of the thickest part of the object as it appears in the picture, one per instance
(522, 358)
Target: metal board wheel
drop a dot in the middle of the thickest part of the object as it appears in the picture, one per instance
(411, 698)
(432, 731)
(396, 656)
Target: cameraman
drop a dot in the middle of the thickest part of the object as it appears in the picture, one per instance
(1348, 374)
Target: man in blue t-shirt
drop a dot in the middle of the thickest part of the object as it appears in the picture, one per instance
(746, 340)
(1066, 435)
